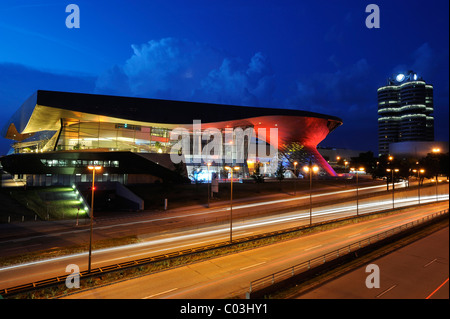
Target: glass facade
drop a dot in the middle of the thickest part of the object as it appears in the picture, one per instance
(77, 135)
(81, 135)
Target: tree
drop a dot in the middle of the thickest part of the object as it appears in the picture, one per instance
(366, 160)
(435, 164)
(279, 174)
(257, 176)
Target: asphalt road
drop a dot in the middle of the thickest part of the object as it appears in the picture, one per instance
(191, 235)
(416, 271)
(230, 275)
(22, 238)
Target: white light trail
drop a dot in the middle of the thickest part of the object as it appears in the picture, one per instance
(224, 229)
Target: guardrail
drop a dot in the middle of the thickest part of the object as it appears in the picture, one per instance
(298, 269)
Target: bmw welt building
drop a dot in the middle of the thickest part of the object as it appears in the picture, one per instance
(57, 135)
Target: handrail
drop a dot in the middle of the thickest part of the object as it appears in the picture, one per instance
(281, 275)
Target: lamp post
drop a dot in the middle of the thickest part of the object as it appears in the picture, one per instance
(418, 177)
(390, 159)
(231, 169)
(436, 151)
(209, 182)
(361, 169)
(295, 174)
(436, 187)
(93, 169)
(393, 185)
(310, 169)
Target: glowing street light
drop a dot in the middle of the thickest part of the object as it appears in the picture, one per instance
(93, 169)
(393, 184)
(231, 169)
(345, 166)
(361, 169)
(418, 177)
(295, 174)
(209, 181)
(310, 169)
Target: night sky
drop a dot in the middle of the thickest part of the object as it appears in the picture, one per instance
(310, 55)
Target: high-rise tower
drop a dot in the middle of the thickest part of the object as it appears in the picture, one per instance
(405, 107)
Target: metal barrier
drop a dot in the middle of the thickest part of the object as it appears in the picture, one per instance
(286, 273)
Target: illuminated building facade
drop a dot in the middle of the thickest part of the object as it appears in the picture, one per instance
(405, 107)
(60, 133)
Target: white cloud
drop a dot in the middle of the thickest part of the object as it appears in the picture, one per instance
(185, 70)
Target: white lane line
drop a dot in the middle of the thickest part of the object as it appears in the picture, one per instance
(430, 263)
(160, 293)
(306, 249)
(354, 235)
(253, 265)
(387, 290)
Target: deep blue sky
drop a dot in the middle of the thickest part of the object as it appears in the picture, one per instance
(310, 55)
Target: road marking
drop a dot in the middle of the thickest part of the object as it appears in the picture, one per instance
(160, 293)
(387, 290)
(354, 235)
(306, 249)
(253, 265)
(430, 263)
(446, 280)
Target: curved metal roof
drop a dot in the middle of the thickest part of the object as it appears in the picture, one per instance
(43, 110)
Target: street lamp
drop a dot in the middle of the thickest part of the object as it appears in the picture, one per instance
(209, 181)
(418, 177)
(437, 186)
(361, 169)
(93, 169)
(231, 169)
(295, 174)
(393, 185)
(311, 169)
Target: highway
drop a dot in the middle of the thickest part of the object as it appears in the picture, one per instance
(156, 221)
(191, 236)
(230, 275)
(416, 271)
(22, 238)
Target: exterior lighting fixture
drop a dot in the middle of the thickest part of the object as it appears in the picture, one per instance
(400, 77)
(295, 174)
(93, 169)
(310, 169)
(361, 169)
(393, 184)
(418, 171)
(209, 181)
(231, 169)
